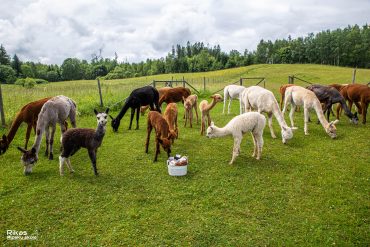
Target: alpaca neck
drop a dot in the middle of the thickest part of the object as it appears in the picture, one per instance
(13, 129)
(220, 132)
(278, 115)
(40, 128)
(210, 106)
(123, 111)
(320, 114)
(100, 132)
(346, 109)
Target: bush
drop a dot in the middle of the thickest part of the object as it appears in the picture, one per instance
(40, 81)
(7, 74)
(20, 82)
(29, 82)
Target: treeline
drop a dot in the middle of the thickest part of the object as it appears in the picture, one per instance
(343, 47)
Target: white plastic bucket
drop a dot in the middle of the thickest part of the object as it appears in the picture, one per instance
(177, 170)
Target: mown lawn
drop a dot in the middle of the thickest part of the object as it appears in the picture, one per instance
(312, 191)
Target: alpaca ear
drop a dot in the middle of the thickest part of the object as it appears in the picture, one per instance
(212, 123)
(334, 122)
(22, 149)
(33, 150)
(107, 110)
(284, 128)
(4, 138)
(183, 98)
(111, 117)
(212, 97)
(160, 141)
(96, 112)
(294, 128)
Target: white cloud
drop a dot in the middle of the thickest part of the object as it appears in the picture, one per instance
(50, 31)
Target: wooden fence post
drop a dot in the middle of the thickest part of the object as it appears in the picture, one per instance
(154, 84)
(241, 81)
(2, 108)
(354, 76)
(101, 97)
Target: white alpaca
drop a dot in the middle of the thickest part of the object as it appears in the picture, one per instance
(232, 92)
(298, 96)
(253, 122)
(263, 100)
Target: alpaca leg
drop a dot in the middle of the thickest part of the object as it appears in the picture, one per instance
(338, 111)
(176, 128)
(236, 148)
(137, 117)
(148, 130)
(61, 165)
(186, 116)
(132, 117)
(157, 149)
(191, 118)
(47, 140)
(291, 114)
(306, 116)
(259, 141)
(270, 125)
(364, 107)
(72, 117)
(209, 119)
(228, 109)
(92, 156)
(53, 128)
(28, 134)
(202, 124)
(359, 106)
(255, 149)
(196, 111)
(223, 109)
(69, 165)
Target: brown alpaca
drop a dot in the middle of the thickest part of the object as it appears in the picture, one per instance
(162, 133)
(205, 108)
(338, 86)
(174, 95)
(282, 93)
(161, 91)
(27, 114)
(359, 95)
(170, 114)
(189, 103)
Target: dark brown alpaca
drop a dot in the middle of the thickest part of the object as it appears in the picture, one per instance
(170, 114)
(161, 91)
(27, 114)
(162, 133)
(359, 95)
(174, 95)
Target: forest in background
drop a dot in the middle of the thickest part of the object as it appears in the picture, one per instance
(349, 47)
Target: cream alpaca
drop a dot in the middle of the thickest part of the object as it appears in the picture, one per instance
(205, 108)
(232, 92)
(253, 122)
(298, 96)
(263, 100)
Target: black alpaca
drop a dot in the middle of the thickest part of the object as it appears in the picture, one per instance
(147, 95)
(76, 138)
(329, 96)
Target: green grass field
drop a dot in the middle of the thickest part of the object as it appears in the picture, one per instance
(313, 191)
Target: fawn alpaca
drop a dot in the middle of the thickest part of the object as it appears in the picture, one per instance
(189, 103)
(170, 114)
(253, 122)
(205, 108)
(91, 139)
(163, 135)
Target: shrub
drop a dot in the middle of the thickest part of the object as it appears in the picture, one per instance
(40, 81)
(29, 82)
(7, 74)
(20, 82)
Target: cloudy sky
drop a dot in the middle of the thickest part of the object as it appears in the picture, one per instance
(49, 31)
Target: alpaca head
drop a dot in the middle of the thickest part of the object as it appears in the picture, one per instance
(115, 123)
(187, 103)
(354, 118)
(211, 131)
(29, 159)
(286, 133)
(217, 97)
(3, 144)
(102, 117)
(166, 144)
(331, 130)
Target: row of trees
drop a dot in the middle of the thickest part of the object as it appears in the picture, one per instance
(343, 47)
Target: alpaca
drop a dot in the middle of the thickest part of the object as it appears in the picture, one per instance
(27, 114)
(329, 96)
(55, 110)
(264, 100)
(91, 139)
(147, 95)
(297, 95)
(253, 122)
(174, 95)
(163, 135)
(161, 91)
(358, 94)
(205, 108)
(282, 93)
(170, 114)
(189, 103)
(232, 92)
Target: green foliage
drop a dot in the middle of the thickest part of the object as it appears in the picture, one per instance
(16, 65)
(71, 69)
(20, 81)
(29, 83)
(7, 74)
(41, 81)
(4, 57)
(27, 71)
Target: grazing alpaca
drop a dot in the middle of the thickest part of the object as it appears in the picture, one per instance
(297, 95)
(147, 95)
(253, 122)
(91, 139)
(161, 91)
(56, 110)
(27, 114)
(329, 96)
(170, 114)
(205, 108)
(174, 95)
(162, 133)
(189, 103)
(358, 94)
(232, 92)
(263, 100)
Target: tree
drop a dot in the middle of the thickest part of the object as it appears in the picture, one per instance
(71, 69)
(16, 65)
(7, 74)
(27, 71)
(4, 57)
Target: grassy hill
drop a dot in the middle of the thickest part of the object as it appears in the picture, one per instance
(312, 191)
